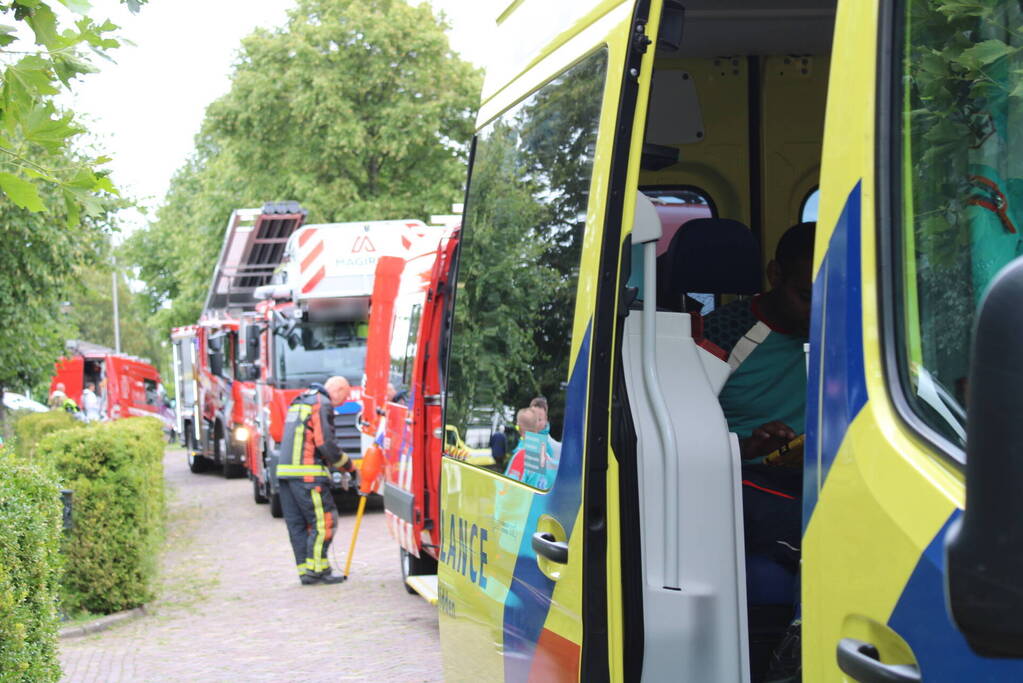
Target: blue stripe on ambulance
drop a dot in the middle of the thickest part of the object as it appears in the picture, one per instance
(921, 620)
(837, 314)
(529, 596)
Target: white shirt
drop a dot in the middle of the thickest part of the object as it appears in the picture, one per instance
(90, 402)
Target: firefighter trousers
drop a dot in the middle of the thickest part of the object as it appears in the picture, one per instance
(311, 517)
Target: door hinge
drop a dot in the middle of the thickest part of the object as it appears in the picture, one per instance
(640, 40)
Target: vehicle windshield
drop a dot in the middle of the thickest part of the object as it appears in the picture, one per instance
(315, 351)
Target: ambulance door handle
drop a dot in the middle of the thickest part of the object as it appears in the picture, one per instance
(861, 662)
(555, 551)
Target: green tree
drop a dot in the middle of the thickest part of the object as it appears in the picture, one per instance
(175, 255)
(39, 260)
(37, 136)
(56, 205)
(358, 109)
(963, 79)
(519, 256)
(501, 284)
(90, 315)
(559, 132)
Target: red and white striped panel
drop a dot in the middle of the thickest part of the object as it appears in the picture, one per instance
(402, 532)
(414, 231)
(312, 266)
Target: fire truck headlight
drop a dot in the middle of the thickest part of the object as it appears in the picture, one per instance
(241, 433)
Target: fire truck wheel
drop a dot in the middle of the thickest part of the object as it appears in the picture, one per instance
(197, 463)
(275, 506)
(220, 454)
(257, 494)
(415, 566)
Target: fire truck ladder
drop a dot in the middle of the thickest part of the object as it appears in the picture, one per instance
(253, 248)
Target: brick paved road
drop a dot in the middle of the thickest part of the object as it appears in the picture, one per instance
(232, 608)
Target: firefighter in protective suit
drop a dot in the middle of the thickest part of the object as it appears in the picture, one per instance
(307, 452)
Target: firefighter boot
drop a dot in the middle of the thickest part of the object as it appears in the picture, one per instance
(329, 577)
(325, 576)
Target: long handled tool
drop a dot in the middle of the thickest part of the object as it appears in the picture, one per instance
(355, 531)
(372, 461)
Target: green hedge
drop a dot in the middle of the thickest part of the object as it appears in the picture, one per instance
(30, 533)
(30, 428)
(116, 472)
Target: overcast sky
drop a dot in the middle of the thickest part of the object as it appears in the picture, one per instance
(146, 108)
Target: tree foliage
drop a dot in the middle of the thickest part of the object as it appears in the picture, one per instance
(958, 65)
(56, 205)
(963, 79)
(519, 256)
(40, 258)
(90, 315)
(502, 284)
(116, 472)
(36, 135)
(30, 570)
(358, 109)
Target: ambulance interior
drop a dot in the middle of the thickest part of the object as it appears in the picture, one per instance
(731, 159)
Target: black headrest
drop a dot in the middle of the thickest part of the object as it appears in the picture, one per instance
(714, 256)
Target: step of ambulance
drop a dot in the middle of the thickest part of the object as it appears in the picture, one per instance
(425, 585)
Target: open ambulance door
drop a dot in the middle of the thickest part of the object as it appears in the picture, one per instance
(427, 389)
(530, 584)
(378, 345)
(917, 217)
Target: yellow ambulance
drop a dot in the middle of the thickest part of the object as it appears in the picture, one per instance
(635, 167)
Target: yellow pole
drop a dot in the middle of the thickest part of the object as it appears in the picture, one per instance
(355, 533)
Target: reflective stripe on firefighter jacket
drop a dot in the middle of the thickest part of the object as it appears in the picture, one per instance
(308, 447)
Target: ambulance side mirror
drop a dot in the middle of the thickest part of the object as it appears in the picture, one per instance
(984, 547)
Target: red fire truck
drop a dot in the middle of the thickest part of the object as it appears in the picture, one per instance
(126, 386)
(205, 356)
(309, 324)
(214, 363)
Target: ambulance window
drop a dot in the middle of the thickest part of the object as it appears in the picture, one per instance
(403, 341)
(808, 209)
(692, 202)
(518, 270)
(410, 345)
(676, 205)
(962, 181)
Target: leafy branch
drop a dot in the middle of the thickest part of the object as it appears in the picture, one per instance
(32, 128)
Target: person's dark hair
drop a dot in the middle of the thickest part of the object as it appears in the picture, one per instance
(539, 402)
(795, 246)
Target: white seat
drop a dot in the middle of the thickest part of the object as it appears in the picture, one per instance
(697, 633)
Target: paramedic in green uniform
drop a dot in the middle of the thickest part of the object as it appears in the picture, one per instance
(764, 399)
